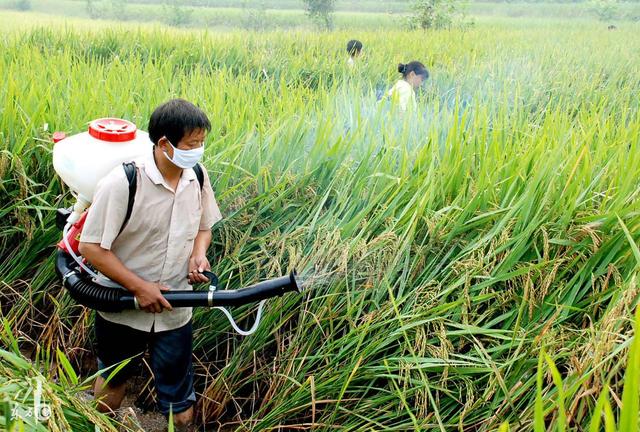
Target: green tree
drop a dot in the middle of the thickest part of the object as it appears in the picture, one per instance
(118, 10)
(605, 10)
(321, 12)
(255, 16)
(23, 5)
(176, 15)
(92, 9)
(438, 14)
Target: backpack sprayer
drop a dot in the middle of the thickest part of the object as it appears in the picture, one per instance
(81, 161)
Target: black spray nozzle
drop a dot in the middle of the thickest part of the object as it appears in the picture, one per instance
(108, 299)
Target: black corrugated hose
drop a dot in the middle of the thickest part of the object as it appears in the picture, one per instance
(108, 299)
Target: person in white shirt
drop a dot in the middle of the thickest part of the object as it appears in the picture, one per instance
(414, 74)
(162, 246)
(354, 49)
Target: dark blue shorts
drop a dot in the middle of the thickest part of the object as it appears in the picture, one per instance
(170, 360)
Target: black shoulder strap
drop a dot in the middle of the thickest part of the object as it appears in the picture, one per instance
(132, 178)
(197, 168)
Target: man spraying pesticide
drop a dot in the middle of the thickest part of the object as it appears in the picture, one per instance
(146, 233)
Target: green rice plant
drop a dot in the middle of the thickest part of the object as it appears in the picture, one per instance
(442, 249)
(32, 400)
(628, 413)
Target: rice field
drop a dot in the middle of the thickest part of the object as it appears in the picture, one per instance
(471, 266)
(289, 14)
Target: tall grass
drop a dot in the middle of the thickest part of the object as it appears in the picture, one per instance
(278, 14)
(463, 262)
(43, 395)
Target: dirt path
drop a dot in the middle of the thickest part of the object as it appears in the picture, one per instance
(151, 421)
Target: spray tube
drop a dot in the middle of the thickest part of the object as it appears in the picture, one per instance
(88, 292)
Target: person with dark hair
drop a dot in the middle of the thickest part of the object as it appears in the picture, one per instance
(354, 49)
(414, 74)
(158, 242)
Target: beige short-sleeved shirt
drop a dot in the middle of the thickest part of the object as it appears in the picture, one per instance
(157, 242)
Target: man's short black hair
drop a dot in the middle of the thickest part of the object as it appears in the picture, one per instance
(354, 47)
(175, 119)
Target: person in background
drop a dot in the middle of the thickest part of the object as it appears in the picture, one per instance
(414, 74)
(354, 48)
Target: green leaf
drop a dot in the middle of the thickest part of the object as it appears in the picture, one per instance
(538, 419)
(632, 243)
(68, 369)
(630, 396)
(15, 360)
(557, 380)
(609, 420)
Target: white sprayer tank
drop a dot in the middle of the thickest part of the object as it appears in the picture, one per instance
(82, 160)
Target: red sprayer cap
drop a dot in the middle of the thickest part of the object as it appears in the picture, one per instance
(58, 136)
(112, 129)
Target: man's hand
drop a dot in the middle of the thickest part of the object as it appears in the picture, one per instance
(198, 264)
(150, 298)
(147, 294)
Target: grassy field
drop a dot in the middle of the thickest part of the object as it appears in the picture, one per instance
(469, 264)
(350, 15)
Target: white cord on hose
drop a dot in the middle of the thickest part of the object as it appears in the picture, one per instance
(235, 326)
(77, 259)
(253, 328)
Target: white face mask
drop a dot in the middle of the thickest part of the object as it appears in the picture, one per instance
(185, 159)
